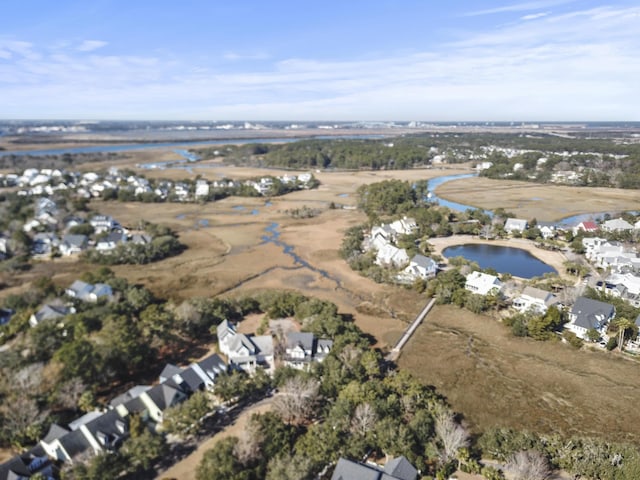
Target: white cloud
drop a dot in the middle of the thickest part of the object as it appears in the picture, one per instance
(519, 7)
(249, 56)
(570, 66)
(534, 16)
(91, 45)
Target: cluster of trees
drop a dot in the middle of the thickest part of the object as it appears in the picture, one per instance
(601, 167)
(581, 457)
(535, 325)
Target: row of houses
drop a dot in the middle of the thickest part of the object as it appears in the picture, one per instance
(78, 290)
(585, 313)
(36, 182)
(105, 430)
(249, 352)
(382, 239)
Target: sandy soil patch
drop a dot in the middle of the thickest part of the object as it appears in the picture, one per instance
(532, 200)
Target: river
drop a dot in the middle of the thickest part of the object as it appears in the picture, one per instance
(148, 146)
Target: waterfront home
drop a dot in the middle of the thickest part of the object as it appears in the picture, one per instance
(587, 227)
(483, 283)
(420, 267)
(404, 226)
(515, 225)
(246, 352)
(534, 300)
(617, 225)
(390, 255)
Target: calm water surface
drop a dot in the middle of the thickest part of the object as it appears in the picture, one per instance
(516, 261)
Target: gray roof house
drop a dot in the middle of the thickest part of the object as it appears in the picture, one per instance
(28, 464)
(396, 469)
(73, 244)
(302, 348)
(49, 312)
(587, 314)
(88, 292)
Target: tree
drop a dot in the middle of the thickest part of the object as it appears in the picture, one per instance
(623, 324)
(363, 420)
(70, 392)
(289, 467)
(296, 401)
(593, 335)
(141, 451)
(529, 465)
(452, 435)
(220, 462)
(184, 419)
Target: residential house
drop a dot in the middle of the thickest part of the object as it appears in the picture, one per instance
(49, 312)
(72, 244)
(420, 267)
(617, 225)
(159, 398)
(88, 292)
(397, 469)
(103, 223)
(404, 226)
(303, 348)
(547, 231)
(622, 285)
(202, 189)
(636, 226)
(534, 300)
(390, 255)
(515, 225)
(197, 376)
(587, 314)
(28, 464)
(587, 227)
(243, 351)
(111, 241)
(44, 243)
(483, 283)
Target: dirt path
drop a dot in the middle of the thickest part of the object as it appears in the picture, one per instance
(185, 469)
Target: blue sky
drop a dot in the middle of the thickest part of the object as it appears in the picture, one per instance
(320, 60)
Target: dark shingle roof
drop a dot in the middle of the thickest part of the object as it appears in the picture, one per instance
(401, 468)
(348, 470)
(588, 312)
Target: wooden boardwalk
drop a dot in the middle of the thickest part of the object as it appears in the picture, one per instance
(395, 352)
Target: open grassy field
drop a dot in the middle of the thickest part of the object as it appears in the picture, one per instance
(499, 380)
(533, 200)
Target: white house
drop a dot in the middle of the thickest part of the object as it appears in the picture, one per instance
(617, 225)
(588, 227)
(202, 188)
(303, 348)
(421, 267)
(243, 351)
(404, 226)
(102, 223)
(483, 283)
(515, 225)
(534, 300)
(392, 255)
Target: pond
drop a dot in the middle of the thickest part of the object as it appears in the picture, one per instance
(516, 261)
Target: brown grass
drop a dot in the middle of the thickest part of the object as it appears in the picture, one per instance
(532, 200)
(499, 380)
